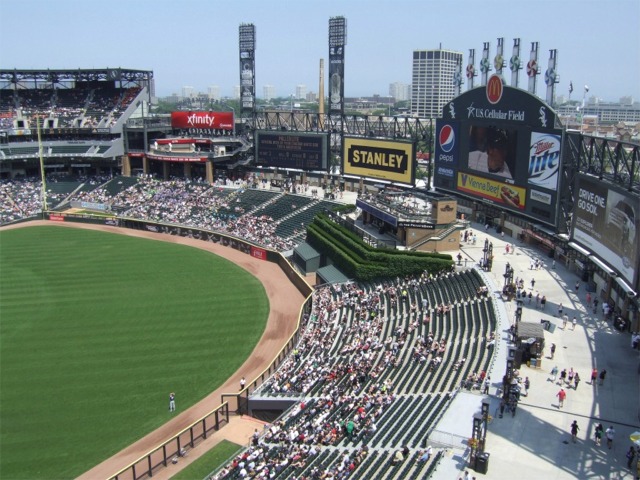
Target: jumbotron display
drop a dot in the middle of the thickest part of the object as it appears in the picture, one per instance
(500, 144)
(307, 151)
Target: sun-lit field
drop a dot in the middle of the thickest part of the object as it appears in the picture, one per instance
(96, 329)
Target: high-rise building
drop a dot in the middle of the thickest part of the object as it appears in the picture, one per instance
(213, 92)
(236, 92)
(188, 92)
(400, 91)
(268, 92)
(301, 92)
(432, 81)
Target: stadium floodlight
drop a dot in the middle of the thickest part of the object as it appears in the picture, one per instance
(337, 31)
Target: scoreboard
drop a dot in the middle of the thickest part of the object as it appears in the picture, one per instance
(308, 151)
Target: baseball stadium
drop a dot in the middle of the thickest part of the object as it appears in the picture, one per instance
(293, 295)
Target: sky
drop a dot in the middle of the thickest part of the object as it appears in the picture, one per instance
(195, 42)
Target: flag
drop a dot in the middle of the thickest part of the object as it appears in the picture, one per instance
(570, 87)
(586, 88)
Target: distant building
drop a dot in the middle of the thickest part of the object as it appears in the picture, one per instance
(236, 92)
(188, 92)
(213, 92)
(311, 97)
(432, 81)
(602, 112)
(400, 91)
(268, 92)
(301, 91)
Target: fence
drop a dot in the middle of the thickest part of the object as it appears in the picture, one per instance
(176, 446)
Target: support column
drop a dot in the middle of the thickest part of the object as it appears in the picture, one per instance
(187, 170)
(209, 172)
(145, 165)
(165, 170)
(126, 166)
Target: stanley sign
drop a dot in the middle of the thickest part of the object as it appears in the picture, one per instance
(385, 160)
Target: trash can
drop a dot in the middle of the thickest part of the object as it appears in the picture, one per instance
(482, 463)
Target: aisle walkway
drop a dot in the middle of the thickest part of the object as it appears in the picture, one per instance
(536, 443)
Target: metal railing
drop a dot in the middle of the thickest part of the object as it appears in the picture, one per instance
(175, 446)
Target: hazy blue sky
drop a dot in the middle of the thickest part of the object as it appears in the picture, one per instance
(195, 42)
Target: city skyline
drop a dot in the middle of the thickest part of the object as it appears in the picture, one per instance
(195, 43)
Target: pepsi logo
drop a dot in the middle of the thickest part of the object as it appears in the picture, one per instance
(447, 138)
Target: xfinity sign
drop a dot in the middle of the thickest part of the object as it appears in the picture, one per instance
(204, 120)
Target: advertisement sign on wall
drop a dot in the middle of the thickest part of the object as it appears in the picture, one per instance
(605, 221)
(202, 120)
(499, 192)
(544, 160)
(385, 160)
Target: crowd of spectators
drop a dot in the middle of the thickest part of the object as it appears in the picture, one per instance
(190, 203)
(90, 107)
(351, 340)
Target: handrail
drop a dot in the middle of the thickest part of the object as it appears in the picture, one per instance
(179, 450)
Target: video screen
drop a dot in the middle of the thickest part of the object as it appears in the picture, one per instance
(492, 151)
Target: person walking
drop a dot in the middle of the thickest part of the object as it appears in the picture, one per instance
(533, 283)
(610, 433)
(576, 381)
(594, 376)
(574, 430)
(603, 374)
(172, 402)
(631, 454)
(554, 373)
(598, 434)
(570, 376)
(243, 382)
(560, 310)
(563, 376)
(577, 286)
(553, 350)
(565, 319)
(561, 396)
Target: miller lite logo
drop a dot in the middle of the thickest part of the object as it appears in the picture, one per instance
(447, 138)
(494, 89)
(544, 160)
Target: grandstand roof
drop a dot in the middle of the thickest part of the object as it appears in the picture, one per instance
(331, 274)
(54, 75)
(306, 251)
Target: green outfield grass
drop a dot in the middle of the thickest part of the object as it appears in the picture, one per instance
(204, 465)
(97, 328)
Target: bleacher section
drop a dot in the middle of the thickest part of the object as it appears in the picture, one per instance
(375, 370)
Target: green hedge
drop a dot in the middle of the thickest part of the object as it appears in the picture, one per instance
(363, 262)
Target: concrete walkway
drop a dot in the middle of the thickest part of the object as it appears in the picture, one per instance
(536, 443)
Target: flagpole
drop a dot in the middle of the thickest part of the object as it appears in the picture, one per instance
(584, 96)
(42, 175)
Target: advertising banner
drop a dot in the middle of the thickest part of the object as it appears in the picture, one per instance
(447, 145)
(605, 221)
(544, 160)
(168, 158)
(336, 79)
(259, 253)
(385, 160)
(499, 192)
(203, 120)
